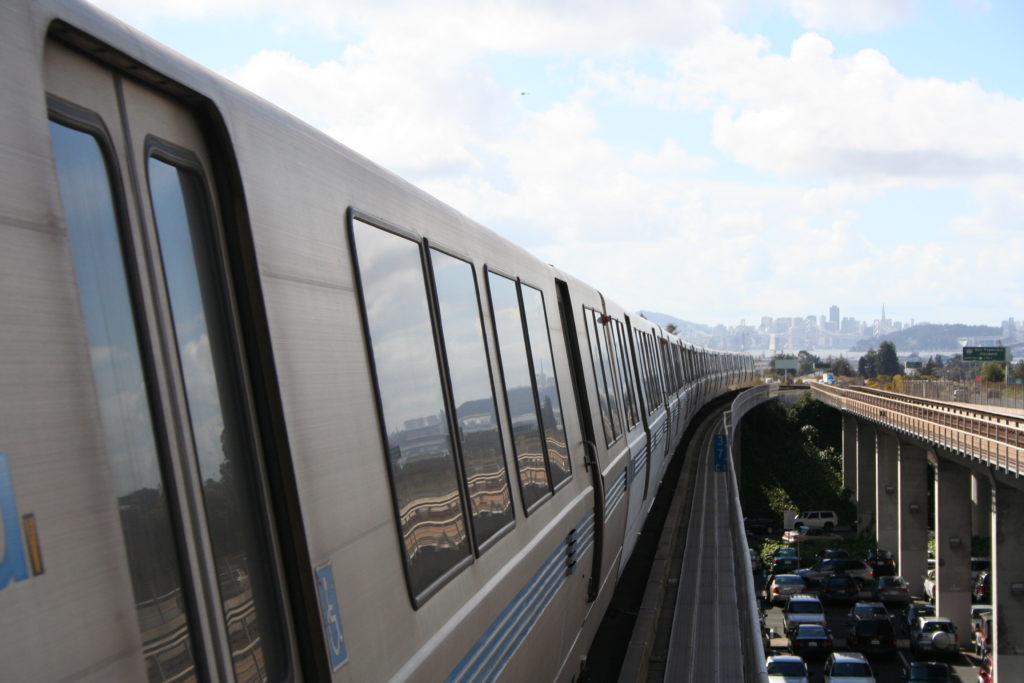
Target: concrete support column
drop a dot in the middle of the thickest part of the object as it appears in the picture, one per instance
(912, 554)
(849, 452)
(981, 497)
(953, 545)
(1008, 570)
(886, 499)
(865, 490)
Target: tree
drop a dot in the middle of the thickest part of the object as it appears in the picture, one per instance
(992, 372)
(888, 362)
(841, 367)
(671, 328)
(1017, 370)
(867, 366)
(805, 363)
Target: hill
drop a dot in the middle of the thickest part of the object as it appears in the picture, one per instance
(929, 337)
(685, 329)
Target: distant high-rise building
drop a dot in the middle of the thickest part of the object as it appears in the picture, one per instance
(833, 316)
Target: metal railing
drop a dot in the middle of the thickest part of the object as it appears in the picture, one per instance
(983, 393)
(994, 438)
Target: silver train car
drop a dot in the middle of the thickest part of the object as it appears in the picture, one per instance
(270, 412)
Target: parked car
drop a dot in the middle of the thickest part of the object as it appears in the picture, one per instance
(755, 561)
(839, 588)
(810, 640)
(929, 585)
(786, 669)
(892, 590)
(761, 526)
(979, 565)
(913, 612)
(848, 667)
(856, 569)
(866, 610)
(801, 534)
(936, 636)
(802, 609)
(817, 519)
(872, 635)
(882, 562)
(932, 672)
(831, 554)
(783, 586)
(983, 587)
(785, 560)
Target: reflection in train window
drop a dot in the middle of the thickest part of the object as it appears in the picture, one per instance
(600, 379)
(604, 329)
(625, 374)
(479, 439)
(519, 391)
(546, 385)
(420, 457)
(124, 407)
(220, 433)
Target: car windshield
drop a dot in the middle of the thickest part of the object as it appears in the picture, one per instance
(867, 610)
(788, 668)
(928, 671)
(933, 626)
(810, 631)
(873, 627)
(851, 669)
(804, 607)
(890, 582)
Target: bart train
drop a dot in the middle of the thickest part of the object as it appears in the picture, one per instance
(270, 412)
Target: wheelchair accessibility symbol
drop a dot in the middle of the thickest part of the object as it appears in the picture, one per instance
(330, 617)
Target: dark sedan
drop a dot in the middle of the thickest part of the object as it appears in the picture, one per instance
(811, 640)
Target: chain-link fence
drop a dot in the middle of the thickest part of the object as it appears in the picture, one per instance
(983, 393)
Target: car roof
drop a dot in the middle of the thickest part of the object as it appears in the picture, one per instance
(784, 658)
(804, 598)
(945, 620)
(848, 656)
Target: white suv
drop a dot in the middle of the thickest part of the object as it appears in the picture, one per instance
(818, 519)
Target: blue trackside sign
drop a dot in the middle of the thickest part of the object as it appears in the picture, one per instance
(720, 452)
(330, 618)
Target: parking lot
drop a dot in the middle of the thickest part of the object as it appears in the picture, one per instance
(886, 667)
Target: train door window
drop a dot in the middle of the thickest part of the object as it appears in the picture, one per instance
(625, 375)
(594, 331)
(478, 435)
(603, 339)
(546, 384)
(93, 226)
(519, 394)
(420, 456)
(220, 434)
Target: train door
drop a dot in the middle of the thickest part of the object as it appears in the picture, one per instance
(637, 440)
(174, 394)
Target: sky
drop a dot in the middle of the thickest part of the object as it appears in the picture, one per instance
(715, 160)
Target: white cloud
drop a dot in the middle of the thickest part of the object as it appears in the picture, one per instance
(853, 15)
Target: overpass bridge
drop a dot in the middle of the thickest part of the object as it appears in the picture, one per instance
(975, 454)
(900, 455)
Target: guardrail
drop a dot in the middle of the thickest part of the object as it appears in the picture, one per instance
(750, 612)
(996, 439)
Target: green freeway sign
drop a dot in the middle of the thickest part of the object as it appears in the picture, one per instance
(985, 353)
(915, 364)
(785, 363)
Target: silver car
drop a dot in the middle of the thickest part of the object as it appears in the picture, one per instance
(935, 635)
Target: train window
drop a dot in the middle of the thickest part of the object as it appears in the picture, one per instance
(546, 385)
(603, 332)
(220, 432)
(96, 252)
(625, 375)
(479, 438)
(600, 379)
(522, 407)
(428, 501)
